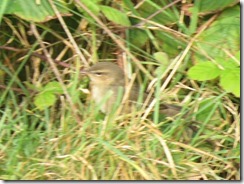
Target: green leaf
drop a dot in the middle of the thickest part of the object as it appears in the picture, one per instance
(238, 56)
(53, 87)
(204, 71)
(221, 37)
(4, 4)
(163, 59)
(194, 17)
(168, 43)
(227, 64)
(130, 5)
(44, 100)
(138, 37)
(115, 16)
(168, 16)
(92, 5)
(32, 11)
(208, 6)
(230, 81)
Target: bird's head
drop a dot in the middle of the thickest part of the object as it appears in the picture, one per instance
(106, 73)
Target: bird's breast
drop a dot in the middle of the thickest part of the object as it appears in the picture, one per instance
(101, 96)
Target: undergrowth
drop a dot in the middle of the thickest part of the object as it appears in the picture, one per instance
(66, 137)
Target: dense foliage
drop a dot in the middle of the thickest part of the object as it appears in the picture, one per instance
(185, 52)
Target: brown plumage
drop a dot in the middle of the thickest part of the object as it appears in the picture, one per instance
(107, 77)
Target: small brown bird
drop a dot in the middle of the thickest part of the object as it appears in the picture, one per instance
(108, 78)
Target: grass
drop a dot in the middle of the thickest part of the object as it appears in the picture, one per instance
(50, 145)
(72, 140)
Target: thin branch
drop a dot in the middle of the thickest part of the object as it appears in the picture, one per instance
(114, 38)
(43, 57)
(56, 72)
(61, 20)
(66, 65)
(19, 90)
(12, 48)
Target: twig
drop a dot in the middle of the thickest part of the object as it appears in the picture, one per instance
(14, 89)
(175, 65)
(61, 20)
(11, 48)
(113, 37)
(66, 65)
(56, 72)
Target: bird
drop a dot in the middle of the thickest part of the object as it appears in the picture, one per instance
(108, 82)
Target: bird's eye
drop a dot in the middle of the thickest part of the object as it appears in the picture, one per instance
(98, 73)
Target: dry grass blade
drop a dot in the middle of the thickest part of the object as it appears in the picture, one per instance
(168, 155)
(115, 39)
(55, 70)
(71, 139)
(83, 59)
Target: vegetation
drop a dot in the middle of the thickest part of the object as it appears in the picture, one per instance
(183, 52)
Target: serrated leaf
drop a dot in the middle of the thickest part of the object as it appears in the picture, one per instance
(230, 81)
(44, 100)
(115, 16)
(53, 87)
(204, 71)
